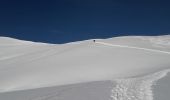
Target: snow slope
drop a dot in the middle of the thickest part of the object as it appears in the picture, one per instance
(133, 62)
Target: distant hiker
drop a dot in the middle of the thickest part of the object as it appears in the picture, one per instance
(94, 41)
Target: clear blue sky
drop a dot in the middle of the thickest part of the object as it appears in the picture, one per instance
(60, 21)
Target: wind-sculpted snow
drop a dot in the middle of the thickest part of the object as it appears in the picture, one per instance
(139, 88)
(27, 65)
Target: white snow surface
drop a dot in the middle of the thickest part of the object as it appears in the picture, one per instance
(133, 62)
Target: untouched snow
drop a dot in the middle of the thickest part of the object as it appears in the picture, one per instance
(161, 88)
(99, 90)
(134, 63)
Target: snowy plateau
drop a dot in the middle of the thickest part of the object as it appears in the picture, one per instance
(118, 68)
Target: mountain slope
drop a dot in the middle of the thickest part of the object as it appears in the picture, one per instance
(29, 65)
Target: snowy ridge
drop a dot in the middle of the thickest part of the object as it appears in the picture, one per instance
(159, 40)
(134, 63)
(132, 47)
(139, 88)
(10, 41)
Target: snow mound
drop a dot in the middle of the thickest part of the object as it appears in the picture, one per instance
(10, 41)
(28, 65)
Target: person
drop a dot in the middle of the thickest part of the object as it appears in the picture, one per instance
(94, 40)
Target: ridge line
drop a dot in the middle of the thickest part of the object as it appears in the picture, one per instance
(132, 47)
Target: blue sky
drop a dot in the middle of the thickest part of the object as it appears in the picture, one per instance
(60, 21)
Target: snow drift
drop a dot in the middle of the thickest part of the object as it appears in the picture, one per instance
(133, 62)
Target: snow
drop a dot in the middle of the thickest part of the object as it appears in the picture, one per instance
(134, 63)
(99, 90)
(161, 88)
(139, 88)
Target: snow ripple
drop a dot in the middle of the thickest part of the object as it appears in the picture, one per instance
(136, 88)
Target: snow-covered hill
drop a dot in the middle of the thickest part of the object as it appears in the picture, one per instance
(133, 63)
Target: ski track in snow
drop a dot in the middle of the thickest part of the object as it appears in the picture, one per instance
(139, 88)
(136, 88)
(131, 47)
